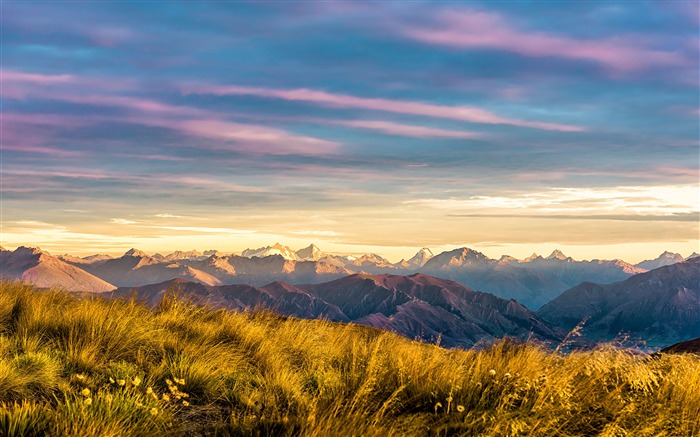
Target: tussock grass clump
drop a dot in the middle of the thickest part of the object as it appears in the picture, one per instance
(72, 365)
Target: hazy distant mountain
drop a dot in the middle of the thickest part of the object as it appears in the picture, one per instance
(43, 270)
(284, 251)
(693, 255)
(262, 270)
(310, 253)
(665, 259)
(416, 306)
(84, 260)
(180, 255)
(137, 268)
(662, 304)
(479, 272)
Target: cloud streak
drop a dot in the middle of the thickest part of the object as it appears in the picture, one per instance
(461, 113)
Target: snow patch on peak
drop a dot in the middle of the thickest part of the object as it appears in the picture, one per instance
(284, 251)
(420, 258)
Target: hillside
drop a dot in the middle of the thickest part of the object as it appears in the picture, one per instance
(92, 367)
(416, 306)
(39, 268)
(662, 305)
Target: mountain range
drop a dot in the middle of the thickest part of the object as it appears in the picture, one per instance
(658, 305)
(532, 281)
(416, 306)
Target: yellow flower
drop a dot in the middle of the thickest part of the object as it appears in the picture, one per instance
(492, 372)
(166, 398)
(85, 392)
(136, 381)
(111, 380)
(460, 408)
(169, 382)
(507, 375)
(154, 411)
(121, 382)
(149, 391)
(185, 404)
(80, 377)
(87, 401)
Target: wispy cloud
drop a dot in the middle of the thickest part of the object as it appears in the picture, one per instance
(323, 98)
(659, 200)
(121, 221)
(192, 121)
(473, 29)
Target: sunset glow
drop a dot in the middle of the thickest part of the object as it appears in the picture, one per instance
(361, 127)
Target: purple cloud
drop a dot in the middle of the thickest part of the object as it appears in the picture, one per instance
(489, 30)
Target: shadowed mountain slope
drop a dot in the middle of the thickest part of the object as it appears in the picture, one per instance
(416, 306)
(663, 304)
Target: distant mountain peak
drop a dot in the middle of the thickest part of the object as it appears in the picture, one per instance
(532, 257)
(665, 259)
(309, 253)
(135, 252)
(693, 255)
(668, 254)
(557, 254)
(24, 250)
(507, 258)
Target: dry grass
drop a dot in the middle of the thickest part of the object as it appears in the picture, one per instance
(89, 367)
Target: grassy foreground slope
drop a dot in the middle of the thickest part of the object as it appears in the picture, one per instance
(89, 366)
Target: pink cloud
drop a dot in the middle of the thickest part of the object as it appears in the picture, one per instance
(488, 30)
(462, 113)
(28, 148)
(36, 78)
(258, 139)
(195, 122)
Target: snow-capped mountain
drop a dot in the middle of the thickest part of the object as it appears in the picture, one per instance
(417, 261)
(284, 251)
(665, 259)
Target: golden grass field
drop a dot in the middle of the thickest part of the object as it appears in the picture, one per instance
(87, 366)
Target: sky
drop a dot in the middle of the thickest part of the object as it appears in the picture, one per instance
(507, 127)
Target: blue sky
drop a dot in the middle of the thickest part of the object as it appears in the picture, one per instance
(362, 126)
